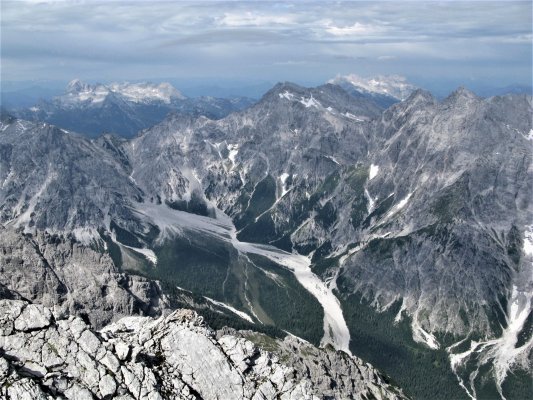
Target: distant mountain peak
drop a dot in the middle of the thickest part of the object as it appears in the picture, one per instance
(394, 86)
(75, 85)
(421, 95)
(144, 92)
(462, 92)
(139, 92)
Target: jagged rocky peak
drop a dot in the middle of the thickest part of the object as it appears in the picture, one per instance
(176, 356)
(76, 86)
(292, 91)
(420, 102)
(392, 85)
(422, 96)
(461, 97)
(329, 99)
(285, 90)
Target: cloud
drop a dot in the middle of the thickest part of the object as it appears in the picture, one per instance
(311, 41)
(253, 19)
(357, 29)
(291, 62)
(386, 58)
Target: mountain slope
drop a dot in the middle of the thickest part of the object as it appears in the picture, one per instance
(416, 218)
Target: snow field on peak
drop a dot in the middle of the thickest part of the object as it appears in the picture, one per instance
(286, 95)
(79, 92)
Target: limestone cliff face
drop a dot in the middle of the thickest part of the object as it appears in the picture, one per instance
(176, 356)
(73, 279)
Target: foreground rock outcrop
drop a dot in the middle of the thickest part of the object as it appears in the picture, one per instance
(46, 269)
(176, 356)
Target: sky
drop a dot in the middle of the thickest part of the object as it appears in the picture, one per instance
(429, 42)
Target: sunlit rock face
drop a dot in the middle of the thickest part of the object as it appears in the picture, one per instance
(176, 356)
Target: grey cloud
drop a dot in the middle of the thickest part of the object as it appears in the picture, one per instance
(312, 40)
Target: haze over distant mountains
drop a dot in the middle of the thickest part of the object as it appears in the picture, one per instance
(126, 108)
(123, 108)
(25, 94)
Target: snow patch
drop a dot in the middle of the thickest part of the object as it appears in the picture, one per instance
(503, 352)
(392, 85)
(80, 92)
(351, 116)
(371, 202)
(95, 95)
(421, 336)
(233, 151)
(374, 169)
(241, 314)
(283, 178)
(144, 92)
(400, 205)
(529, 136)
(286, 95)
(333, 159)
(310, 102)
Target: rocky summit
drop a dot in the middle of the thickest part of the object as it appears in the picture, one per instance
(175, 356)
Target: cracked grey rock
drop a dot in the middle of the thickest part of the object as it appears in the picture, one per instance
(107, 386)
(184, 359)
(33, 316)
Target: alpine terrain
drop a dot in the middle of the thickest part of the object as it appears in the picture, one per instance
(320, 235)
(123, 108)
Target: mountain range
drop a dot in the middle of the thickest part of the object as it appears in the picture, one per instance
(385, 223)
(123, 108)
